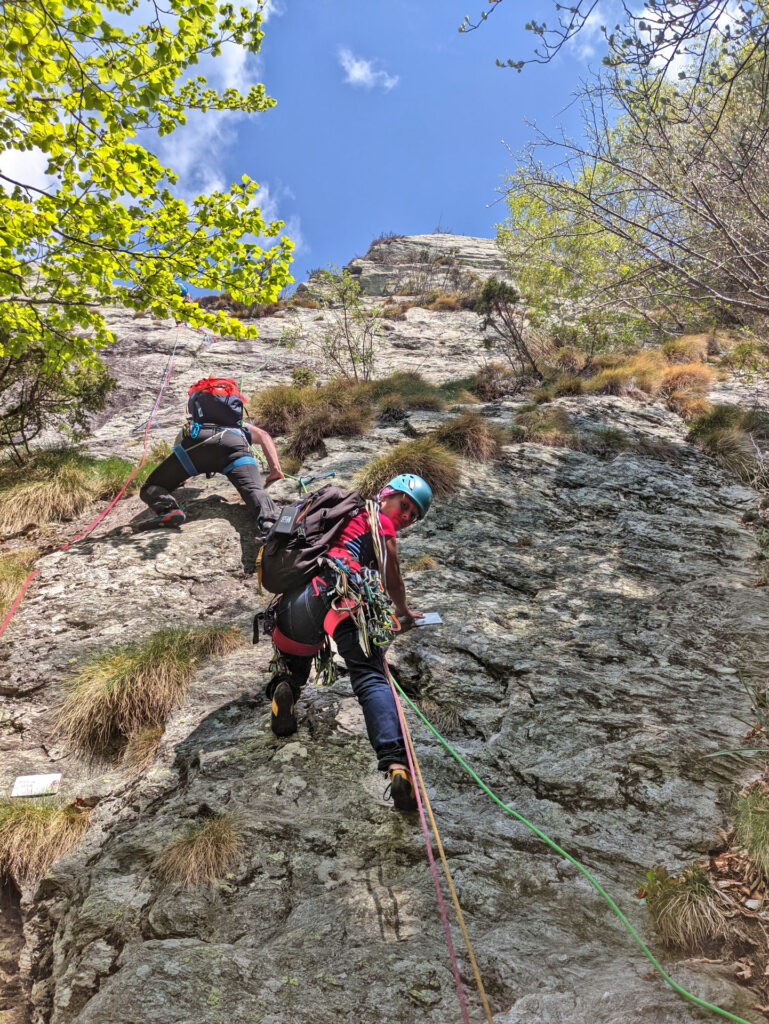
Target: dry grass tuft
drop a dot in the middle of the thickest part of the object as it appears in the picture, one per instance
(618, 374)
(33, 835)
(551, 426)
(425, 563)
(203, 853)
(133, 688)
(324, 422)
(14, 569)
(569, 360)
(687, 911)
(688, 348)
(493, 381)
(423, 456)
(693, 378)
(611, 381)
(688, 408)
(446, 716)
(471, 436)
(141, 748)
(565, 387)
(56, 485)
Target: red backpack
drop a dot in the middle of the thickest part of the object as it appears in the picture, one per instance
(216, 400)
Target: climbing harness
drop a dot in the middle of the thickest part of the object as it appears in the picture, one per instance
(558, 849)
(360, 594)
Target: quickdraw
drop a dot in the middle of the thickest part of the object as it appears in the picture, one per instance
(363, 597)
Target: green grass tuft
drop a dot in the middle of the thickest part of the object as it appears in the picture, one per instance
(15, 566)
(687, 911)
(751, 825)
(34, 834)
(125, 691)
(56, 485)
(203, 853)
(423, 456)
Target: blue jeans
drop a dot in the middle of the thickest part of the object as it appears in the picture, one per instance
(300, 617)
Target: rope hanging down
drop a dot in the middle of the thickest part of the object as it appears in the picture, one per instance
(679, 989)
(115, 500)
(434, 871)
(441, 851)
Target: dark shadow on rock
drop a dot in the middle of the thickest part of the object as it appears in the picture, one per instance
(212, 506)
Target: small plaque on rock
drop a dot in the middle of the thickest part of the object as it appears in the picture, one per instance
(36, 785)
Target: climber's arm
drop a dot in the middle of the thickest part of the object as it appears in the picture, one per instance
(395, 586)
(266, 443)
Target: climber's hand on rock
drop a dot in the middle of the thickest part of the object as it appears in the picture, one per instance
(272, 477)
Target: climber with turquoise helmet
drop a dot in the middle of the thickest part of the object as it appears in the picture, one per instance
(305, 616)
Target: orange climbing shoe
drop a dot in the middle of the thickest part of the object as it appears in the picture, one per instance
(283, 722)
(402, 789)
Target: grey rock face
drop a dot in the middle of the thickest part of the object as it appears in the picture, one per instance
(413, 263)
(596, 613)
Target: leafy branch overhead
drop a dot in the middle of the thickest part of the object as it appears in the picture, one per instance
(107, 226)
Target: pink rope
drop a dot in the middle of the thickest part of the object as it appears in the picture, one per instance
(430, 857)
(115, 500)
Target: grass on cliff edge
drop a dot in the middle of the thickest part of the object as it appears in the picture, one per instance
(734, 437)
(133, 688)
(687, 911)
(423, 456)
(14, 569)
(471, 436)
(282, 409)
(33, 835)
(751, 825)
(56, 485)
(203, 853)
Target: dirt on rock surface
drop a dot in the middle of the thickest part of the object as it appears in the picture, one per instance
(598, 613)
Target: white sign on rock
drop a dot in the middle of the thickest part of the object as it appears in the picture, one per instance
(36, 785)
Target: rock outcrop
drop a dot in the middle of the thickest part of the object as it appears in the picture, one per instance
(598, 614)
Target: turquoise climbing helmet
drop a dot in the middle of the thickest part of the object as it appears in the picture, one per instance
(416, 488)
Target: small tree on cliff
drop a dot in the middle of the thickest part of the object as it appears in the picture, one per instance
(107, 227)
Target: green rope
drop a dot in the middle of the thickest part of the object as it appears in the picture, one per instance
(572, 860)
(298, 480)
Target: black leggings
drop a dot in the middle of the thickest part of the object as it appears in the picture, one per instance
(210, 455)
(300, 618)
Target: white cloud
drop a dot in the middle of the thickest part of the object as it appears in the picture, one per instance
(26, 167)
(362, 72)
(590, 36)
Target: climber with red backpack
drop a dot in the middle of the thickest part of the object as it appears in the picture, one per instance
(216, 439)
(333, 560)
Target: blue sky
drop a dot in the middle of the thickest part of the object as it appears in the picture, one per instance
(387, 119)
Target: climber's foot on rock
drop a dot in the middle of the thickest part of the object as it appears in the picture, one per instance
(283, 721)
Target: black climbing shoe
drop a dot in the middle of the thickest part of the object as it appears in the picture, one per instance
(173, 518)
(283, 721)
(402, 790)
